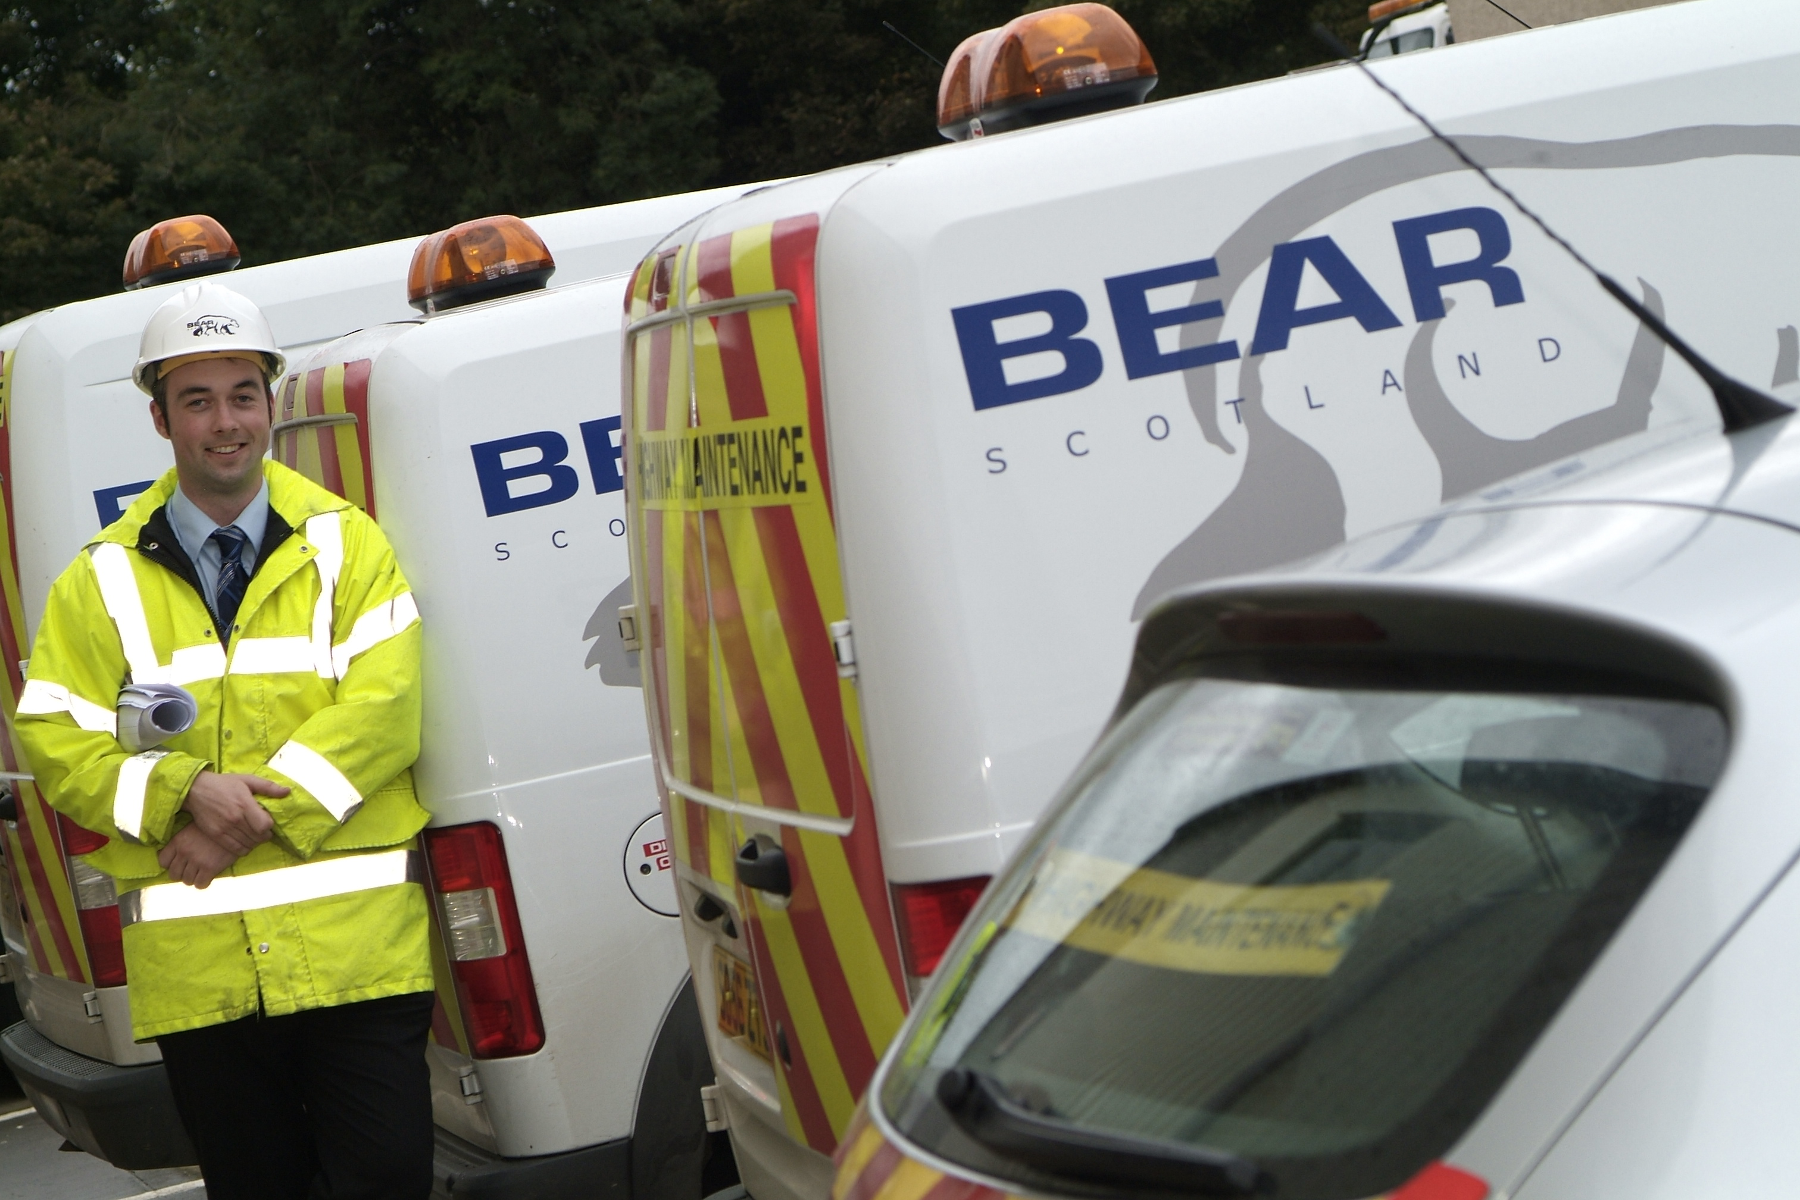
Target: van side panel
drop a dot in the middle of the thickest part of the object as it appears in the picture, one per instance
(33, 845)
(731, 487)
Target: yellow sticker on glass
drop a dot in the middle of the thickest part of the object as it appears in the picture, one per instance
(1165, 920)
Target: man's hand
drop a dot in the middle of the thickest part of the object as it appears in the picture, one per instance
(226, 811)
(194, 858)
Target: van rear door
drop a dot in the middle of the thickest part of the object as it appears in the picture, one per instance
(44, 926)
(323, 426)
(757, 734)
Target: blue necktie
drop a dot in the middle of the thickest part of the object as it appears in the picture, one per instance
(229, 592)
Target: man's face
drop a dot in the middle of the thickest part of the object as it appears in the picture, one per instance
(218, 422)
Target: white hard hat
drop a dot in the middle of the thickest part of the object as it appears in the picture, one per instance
(205, 320)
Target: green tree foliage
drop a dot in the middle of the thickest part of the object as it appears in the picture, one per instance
(312, 126)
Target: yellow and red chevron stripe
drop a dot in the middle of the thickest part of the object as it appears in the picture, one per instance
(34, 845)
(731, 506)
(870, 1167)
(336, 457)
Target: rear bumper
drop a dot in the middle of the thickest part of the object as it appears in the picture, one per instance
(125, 1115)
(772, 1165)
(465, 1172)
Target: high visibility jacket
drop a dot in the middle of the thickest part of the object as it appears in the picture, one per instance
(316, 688)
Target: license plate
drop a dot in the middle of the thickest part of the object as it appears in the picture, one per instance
(740, 1008)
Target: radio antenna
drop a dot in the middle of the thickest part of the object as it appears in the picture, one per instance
(1508, 12)
(922, 50)
(1740, 405)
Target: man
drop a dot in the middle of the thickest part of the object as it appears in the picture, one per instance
(266, 859)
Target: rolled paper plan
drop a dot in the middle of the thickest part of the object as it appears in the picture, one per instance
(152, 713)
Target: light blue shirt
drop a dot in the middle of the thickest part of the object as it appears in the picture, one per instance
(194, 530)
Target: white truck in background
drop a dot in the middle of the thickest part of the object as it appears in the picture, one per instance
(1404, 26)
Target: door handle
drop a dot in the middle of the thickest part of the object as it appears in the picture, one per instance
(763, 865)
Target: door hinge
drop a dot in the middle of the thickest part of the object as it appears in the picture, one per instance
(713, 1105)
(628, 629)
(90, 1003)
(471, 1085)
(843, 649)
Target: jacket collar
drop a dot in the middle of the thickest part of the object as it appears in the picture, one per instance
(292, 499)
(194, 527)
(158, 543)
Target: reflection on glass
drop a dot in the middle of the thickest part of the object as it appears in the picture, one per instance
(1307, 928)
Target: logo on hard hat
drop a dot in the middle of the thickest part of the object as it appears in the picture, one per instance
(212, 324)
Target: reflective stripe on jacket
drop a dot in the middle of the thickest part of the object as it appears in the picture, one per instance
(317, 689)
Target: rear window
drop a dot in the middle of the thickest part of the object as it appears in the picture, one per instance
(1294, 938)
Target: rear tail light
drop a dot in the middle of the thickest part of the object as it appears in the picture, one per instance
(77, 840)
(484, 939)
(179, 248)
(929, 916)
(1441, 1181)
(472, 925)
(97, 904)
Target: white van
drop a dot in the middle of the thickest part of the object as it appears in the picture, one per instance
(568, 1056)
(912, 446)
(76, 446)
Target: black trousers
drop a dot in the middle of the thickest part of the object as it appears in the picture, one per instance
(326, 1104)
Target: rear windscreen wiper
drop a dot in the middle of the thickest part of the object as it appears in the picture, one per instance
(982, 1109)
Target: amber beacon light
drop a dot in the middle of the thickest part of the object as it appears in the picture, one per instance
(957, 100)
(477, 260)
(179, 248)
(1044, 66)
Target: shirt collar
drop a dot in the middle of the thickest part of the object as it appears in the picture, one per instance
(192, 527)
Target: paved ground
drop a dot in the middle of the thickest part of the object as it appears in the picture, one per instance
(32, 1168)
